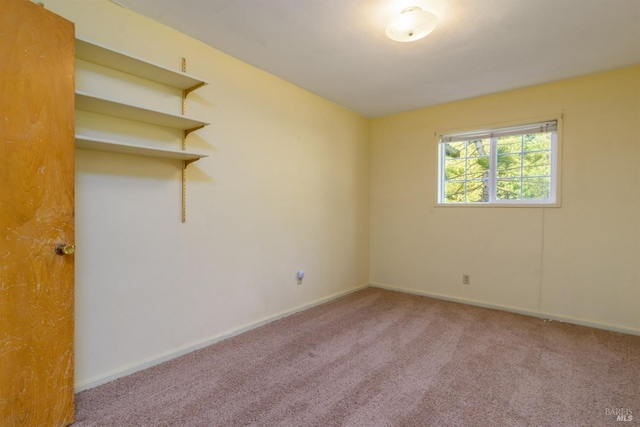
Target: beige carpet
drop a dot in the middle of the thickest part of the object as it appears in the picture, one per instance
(382, 358)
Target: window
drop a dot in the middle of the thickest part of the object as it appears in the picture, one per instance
(505, 166)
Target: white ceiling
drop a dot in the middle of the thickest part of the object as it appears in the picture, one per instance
(338, 49)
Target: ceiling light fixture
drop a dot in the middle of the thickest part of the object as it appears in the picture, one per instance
(412, 24)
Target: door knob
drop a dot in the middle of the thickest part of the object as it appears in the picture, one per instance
(63, 249)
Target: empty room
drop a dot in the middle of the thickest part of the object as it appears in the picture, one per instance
(320, 213)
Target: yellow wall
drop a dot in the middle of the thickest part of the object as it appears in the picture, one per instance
(286, 187)
(578, 262)
(297, 182)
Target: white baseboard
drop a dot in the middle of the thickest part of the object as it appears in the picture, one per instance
(172, 354)
(548, 316)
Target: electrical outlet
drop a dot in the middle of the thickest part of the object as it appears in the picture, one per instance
(466, 279)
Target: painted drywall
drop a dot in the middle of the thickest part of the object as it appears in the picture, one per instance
(577, 262)
(286, 188)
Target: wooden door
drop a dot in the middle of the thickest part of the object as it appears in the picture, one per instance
(36, 214)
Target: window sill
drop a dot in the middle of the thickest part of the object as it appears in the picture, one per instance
(498, 205)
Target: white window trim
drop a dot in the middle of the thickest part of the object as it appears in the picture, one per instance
(556, 161)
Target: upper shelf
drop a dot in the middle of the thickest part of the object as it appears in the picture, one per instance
(99, 54)
(111, 107)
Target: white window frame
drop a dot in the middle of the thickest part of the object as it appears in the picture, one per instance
(496, 131)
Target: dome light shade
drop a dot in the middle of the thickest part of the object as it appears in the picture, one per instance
(412, 24)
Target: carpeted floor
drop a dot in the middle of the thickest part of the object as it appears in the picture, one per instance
(382, 358)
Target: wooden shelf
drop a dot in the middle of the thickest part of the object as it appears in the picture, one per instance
(111, 107)
(99, 54)
(98, 144)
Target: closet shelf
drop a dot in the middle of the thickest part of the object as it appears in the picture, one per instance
(96, 53)
(111, 107)
(98, 144)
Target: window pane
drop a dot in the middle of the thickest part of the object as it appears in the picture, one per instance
(479, 148)
(454, 169)
(508, 189)
(454, 192)
(509, 144)
(478, 168)
(536, 188)
(466, 171)
(477, 191)
(537, 141)
(508, 165)
(536, 164)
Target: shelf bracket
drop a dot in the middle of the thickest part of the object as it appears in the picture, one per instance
(184, 191)
(184, 147)
(186, 133)
(187, 91)
(185, 163)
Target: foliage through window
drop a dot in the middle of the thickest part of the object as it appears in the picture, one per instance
(514, 165)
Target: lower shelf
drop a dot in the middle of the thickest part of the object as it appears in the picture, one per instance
(97, 144)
